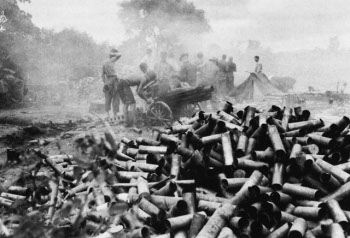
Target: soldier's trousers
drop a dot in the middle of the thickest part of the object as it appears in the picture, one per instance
(111, 98)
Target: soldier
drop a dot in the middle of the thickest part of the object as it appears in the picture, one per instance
(110, 80)
(148, 59)
(188, 72)
(210, 77)
(258, 67)
(126, 95)
(231, 68)
(199, 66)
(222, 77)
(164, 73)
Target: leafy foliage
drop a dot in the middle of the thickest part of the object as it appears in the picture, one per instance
(161, 24)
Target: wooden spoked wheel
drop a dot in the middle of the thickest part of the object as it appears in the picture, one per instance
(189, 110)
(159, 114)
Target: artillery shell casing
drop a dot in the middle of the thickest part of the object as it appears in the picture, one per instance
(311, 149)
(336, 231)
(329, 181)
(276, 142)
(127, 175)
(295, 133)
(142, 187)
(179, 222)
(278, 175)
(13, 197)
(343, 123)
(211, 139)
(179, 209)
(303, 140)
(142, 232)
(226, 233)
(81, 187)
(337, 213)
(313, 183)
(220, 127)
(309, 203)
(265, 156)
(287, 217)
(189, 195)
(298, 228)
(249, 114)
(164, 202)
(167, 190)
(132, 152)
(250, 146)
(180, 234)
(145, 141)
(216, 222)
(208, 207)
(175, 166)
(313, 213)
(239, 222)
(242, 194)
(19, 190)
(197, 224)
(143, 149)
(297, 190)
(233, 183)
(333, 170)
(142, 157)
(280, 232)
(227, 117)
(151, 209)
(296, 150)
(155, 134)
(287, 113)
(6, 202)
(228, 151)
(344, 166)
(322, 141)
(232, 126)
(194, 140)
(241, 145)
(315, 123)
(280, 198)
(210, 198)
(273, 121)
(253, 165)
(180, 128)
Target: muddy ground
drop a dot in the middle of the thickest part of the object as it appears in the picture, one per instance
(60, 125)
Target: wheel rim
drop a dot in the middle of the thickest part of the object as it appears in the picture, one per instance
(159, 113)
(190, 109)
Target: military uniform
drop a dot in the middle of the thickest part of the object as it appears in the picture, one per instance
(110, 88)
(231, 68)
(188, 74)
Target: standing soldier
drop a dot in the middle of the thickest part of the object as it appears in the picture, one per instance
(258, 67)
(222, 64)
(110, 80)
(164, 73)
(231, 68)
(188, 72)
(210, 77)
(199, 66)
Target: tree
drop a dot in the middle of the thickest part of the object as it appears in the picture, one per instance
(161, 23)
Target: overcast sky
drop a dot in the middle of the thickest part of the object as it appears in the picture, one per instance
(278, 24)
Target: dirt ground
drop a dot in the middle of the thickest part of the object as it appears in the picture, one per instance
(58, 125)
(62, 124)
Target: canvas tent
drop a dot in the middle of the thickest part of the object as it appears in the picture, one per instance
(255, 87)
